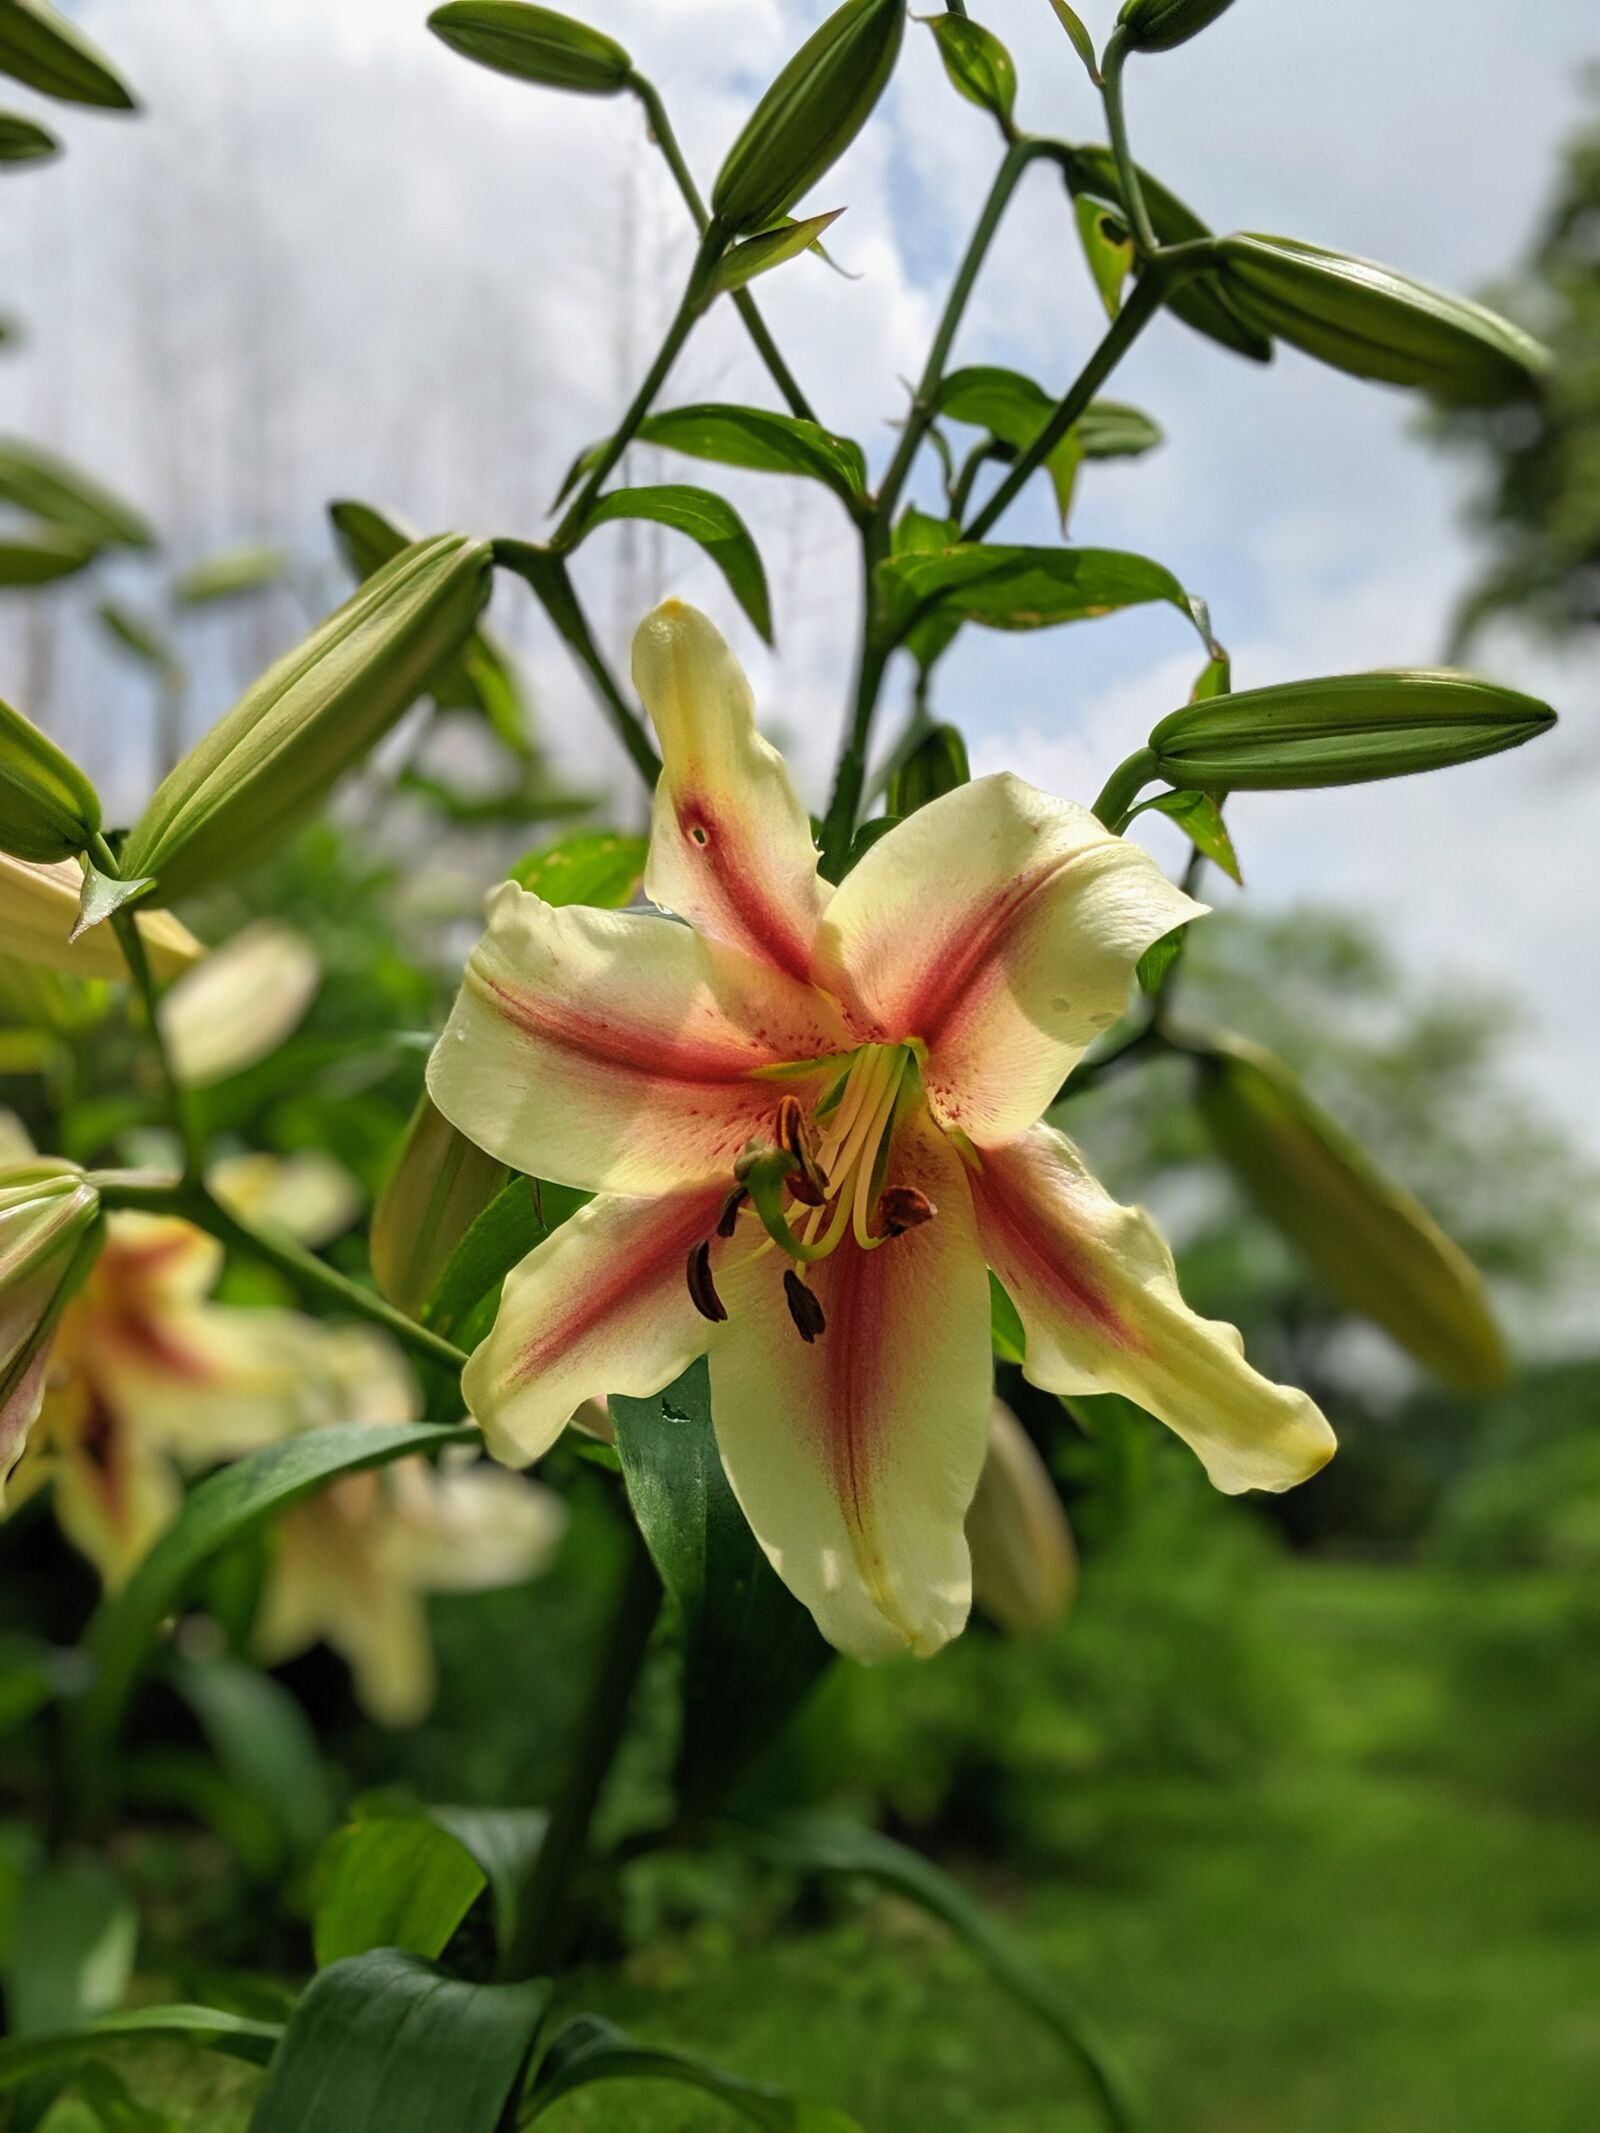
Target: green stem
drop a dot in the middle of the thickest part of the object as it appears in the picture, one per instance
(713, 243)
(315, 1280)
(850, 778)
(545, 1917)
(1111, 66)
(1124, 330)
(1122, 788)
(131, 941)
(743, 302)
(552, 584)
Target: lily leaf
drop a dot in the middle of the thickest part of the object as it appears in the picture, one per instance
(602, 868)
(751, 1651)
(711, 521)
(1108, 248)
(977, 63)
(1200, 818)
(521, 1215)
(391, 1881)
(813, 1844)
(43, 554)
(769, 249)
(1009, 588)
(1082, 42)
(39, 46)
(386, 2043)
(587, 2049)
(21, 2058)
(102, 895)
(232, 574)
(752, 437)
(49, 487)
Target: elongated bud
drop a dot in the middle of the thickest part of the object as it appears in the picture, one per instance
(1343, 730)
(48, 808)
(937, 765)
(49, 1231)
(39, 908)
(1379, 1251)
(1374, 323)
(1158, 25)
(533, 44)
(240, 1003)
(1024, 1564)
(312, 715)
(810, 115)
(40, 46)
(440, 1185)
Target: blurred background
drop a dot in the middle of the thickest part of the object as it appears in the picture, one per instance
(1303, 1796)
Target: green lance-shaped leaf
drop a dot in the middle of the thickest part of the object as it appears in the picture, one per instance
(481, 677)
(750, 1650)
(136, 633)
(440, 1184)
(72, 1935)
(705, 518)
(1158, 25)
(753, 437)
(533, 44)
(977, 63)
(587, 2049)
(1374, 323)
(262, 1740)
(21, 2058)
(1201, 300)
(233, 574)
(1108, 248)
(386, 2043)
(602, 868)
(1379, 1251)
(1110, 429)
(812, 1844)
(48, 808)
(1082, 42)
(391, 1881)
(21, 141)
(310, 717)
(225, 1507)
(1025, 588)
(1344, 730)
(1200, 819)
(521, 1215)
(44, 553)
(810, 115)
(937, 765)
(1015, 408)
(39, 46)
(786, 240)
(53, 489)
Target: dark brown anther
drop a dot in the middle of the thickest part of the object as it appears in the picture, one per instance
(730, 1211)
(702, 1289)
(807, 1181)
(903, 1207)
(803, 1307)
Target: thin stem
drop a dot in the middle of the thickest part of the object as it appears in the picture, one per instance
(743, 302)
(1122, 788)
(547, 573)
(315, 1280)
(1124, 330)
(131, 941)
(712, 245)
(850, 778)
(1111, 66)
(545, 1918)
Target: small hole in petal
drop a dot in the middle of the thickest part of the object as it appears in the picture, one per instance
(699, 835)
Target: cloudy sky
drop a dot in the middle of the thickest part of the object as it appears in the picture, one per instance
(330, 258)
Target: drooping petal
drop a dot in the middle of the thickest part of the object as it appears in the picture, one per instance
(730, 845)
(1094, 1285)
(468, 1527)
(1001, 928)
(601, 1306)
(856, 1456)
(613, 1051)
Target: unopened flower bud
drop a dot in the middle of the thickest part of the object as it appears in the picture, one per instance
(48, 808)
(240, 1003)
(440, 1185)
(48, 1236)
(1024, 1564)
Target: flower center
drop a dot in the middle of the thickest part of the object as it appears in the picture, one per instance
(822, 1178)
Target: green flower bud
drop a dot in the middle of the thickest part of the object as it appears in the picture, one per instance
(1374, 323)
(533, 44)
(1158, 25)
(312, 715)
(42, 48)
(440, 1185)
(48, 808)
(1380, 1253)
(1024, 1564)
(938, 764)
(49, 1234)
(1344, 730)
(810, 115)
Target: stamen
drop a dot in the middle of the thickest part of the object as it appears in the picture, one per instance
(903, 1207)
(702, 1289)
(804, 1308)
(729, 1216)
(808, 1182)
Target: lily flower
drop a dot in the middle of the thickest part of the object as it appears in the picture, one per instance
(39, 907)
(811, 1120)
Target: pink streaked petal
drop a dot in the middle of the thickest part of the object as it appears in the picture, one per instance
(614, 1051)
(855, 1458)
(730, 845)
(601, 1306)
(1001, 928)
(1095, 1287)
